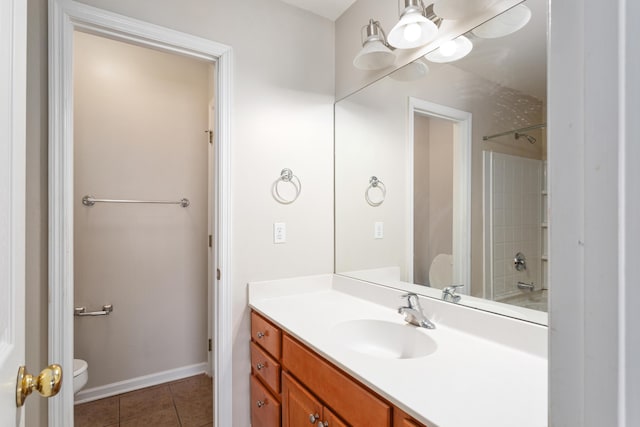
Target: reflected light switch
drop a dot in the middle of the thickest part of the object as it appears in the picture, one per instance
(378, 230)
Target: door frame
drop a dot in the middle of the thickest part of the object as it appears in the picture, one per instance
(461, 185)
(66, 16)
(13, 83)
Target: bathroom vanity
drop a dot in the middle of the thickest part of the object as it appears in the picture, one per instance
(333, 351)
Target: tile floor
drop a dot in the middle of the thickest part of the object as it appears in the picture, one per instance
(182, 403)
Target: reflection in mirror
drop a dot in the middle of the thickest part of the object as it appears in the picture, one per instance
(461, 149)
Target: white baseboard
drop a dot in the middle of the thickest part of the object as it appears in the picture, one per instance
(132, 384)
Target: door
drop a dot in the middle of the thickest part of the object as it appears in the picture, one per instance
(13, 26)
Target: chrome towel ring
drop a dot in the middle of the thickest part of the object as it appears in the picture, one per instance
(286, 175)
(374, 182)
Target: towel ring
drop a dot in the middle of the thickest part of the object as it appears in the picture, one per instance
(374, 182)
(286, 175)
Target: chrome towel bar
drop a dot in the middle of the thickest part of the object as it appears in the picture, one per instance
(82, 311)
(90, 201)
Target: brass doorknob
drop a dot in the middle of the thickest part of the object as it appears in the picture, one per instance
(48, 383)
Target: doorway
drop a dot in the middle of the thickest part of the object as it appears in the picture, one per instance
(141, 199)
(455, 127)
(68, 17)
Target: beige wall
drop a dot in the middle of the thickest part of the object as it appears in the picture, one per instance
(432, 193)
(282, 117)
(139, 121)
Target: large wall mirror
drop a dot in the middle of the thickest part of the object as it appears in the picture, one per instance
(440, 172)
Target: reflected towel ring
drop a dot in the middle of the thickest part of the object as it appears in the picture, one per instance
(286, 176)
(375, 183)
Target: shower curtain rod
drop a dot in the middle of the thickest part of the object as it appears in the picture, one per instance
(525, 129)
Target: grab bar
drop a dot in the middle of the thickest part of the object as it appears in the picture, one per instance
(90, 201)
(82, 311)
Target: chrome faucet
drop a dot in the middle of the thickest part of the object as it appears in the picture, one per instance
(413, 312)
(449, 293)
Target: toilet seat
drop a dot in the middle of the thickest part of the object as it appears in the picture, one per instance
(79, 366)
(80, 374)
(441, 271)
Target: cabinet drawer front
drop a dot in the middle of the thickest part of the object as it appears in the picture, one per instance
(265, 409)
(400, 419)
(266, 335)
(348, 399)
(265, 367)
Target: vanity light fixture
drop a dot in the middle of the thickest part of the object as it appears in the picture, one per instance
(451, 50)
(504, 24)
(375, 53)
(411, 72)
(418, 25)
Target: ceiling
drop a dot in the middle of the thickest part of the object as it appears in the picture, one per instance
(330, 9)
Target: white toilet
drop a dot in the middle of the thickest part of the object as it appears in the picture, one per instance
(80, 374)
(441, 271)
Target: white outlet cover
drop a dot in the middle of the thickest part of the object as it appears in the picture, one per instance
(279, 232)
(378, 230)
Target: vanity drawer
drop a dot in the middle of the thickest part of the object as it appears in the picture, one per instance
(347, 398)
(400, 419)
(265, 409)
(267, 335)
(265, 367)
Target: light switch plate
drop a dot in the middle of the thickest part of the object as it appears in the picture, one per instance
(378, 230)
(279, 232)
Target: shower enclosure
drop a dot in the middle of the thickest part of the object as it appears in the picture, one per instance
(515, 230)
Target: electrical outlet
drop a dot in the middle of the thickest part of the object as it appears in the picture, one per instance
(279, 232)
(378, 230)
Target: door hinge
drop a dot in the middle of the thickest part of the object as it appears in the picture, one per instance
(210, 345)
(217, 273)
(210, 132)
(210, 240)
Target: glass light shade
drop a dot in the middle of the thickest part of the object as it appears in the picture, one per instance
(459, 9)
(504, 24)
(412, 30)
(411, 72)
(374, 55)
(451, 51)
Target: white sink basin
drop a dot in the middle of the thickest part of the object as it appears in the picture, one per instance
(384, 340)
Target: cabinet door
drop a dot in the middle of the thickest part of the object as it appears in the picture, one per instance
(299, 408)
(331, 420)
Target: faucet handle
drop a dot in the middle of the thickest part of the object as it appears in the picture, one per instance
(450, 292)
(410, 295)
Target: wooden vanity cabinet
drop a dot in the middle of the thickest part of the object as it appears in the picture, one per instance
(293, 386)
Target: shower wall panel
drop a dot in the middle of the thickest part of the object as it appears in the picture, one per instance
(513, 211)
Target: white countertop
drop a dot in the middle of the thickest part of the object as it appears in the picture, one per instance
(490, 380)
